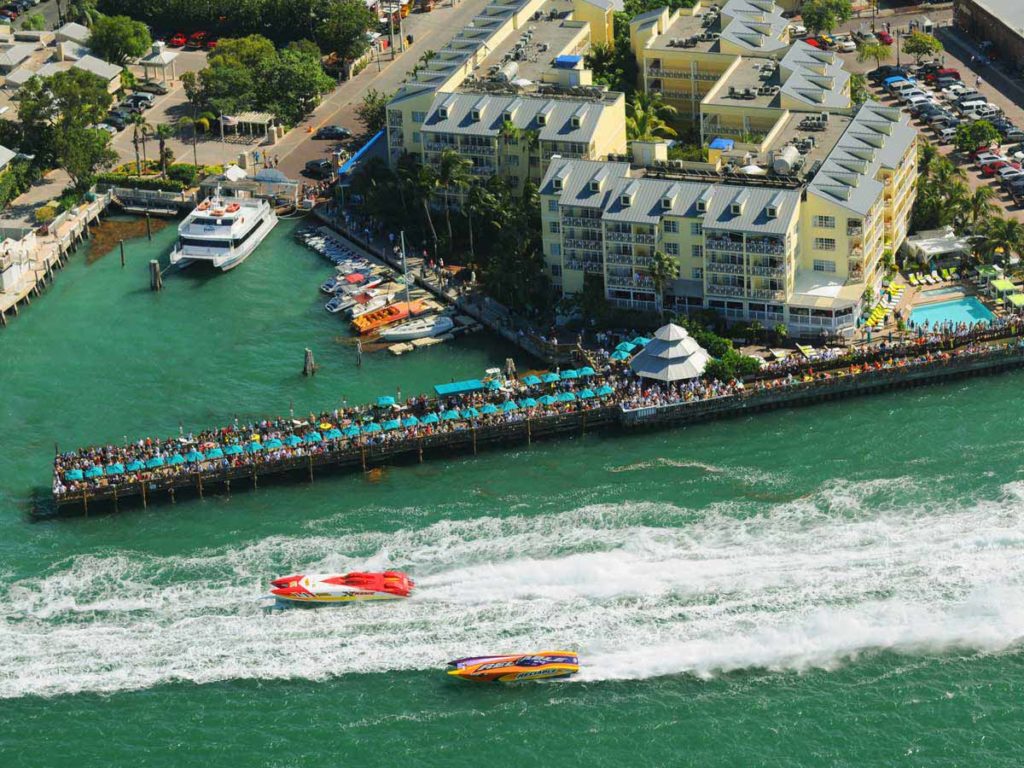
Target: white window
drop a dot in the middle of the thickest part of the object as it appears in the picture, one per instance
(555, 228)
(443, 113)
(697, 273)
(671, 226)
(574, 122)
(556, 183)
(513, 159)
(595, 186)
(696, 228)
(419, 117)
(672, 249)
(552, 205)
(556, 249)
(415, 137)
(626, 201)
(697, 251)
(825, 222)
(824, 243)
(824, 265)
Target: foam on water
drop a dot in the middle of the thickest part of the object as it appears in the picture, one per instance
(640, 589)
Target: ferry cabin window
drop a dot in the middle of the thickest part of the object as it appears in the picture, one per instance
(197, 243)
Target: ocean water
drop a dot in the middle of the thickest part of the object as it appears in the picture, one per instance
(839, 585)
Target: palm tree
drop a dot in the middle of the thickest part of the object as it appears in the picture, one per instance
(424, 183)
(452, 174)
(876, 51)
(508, 134)
(974, 208)
(139, 127)
(664, 269)
(944, 173)
(600, 58)
(926, 154)
(164, 131)
(646, 118)
(999, 238)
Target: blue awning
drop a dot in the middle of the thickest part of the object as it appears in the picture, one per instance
(459, 387)
(508, 405)
(641, 341)
(430, 418)
(73, 474)
(586, 370)
(604, 389)
(385, 400)
(233, 450)
(619, 355)
(362, 151)
(293, 440)
(527, 402)
(176, 460)
(94, 471)
(450, 415)
(566, 397)
(567, 61)
(550, 378)
(410, 421)
(570, 374)
(625, 346)
(392, 424)
(135, 466)
(531, 380)
(723, 144)
(312, 437)
(351, 431)
(194, 455)
(470, 413)
(117, 468)
(548, 400)
(586, 394)
(372, 427)
(156, 461)
(331, 434)
(273, 444)
(489, 408)
(253, 447)
(215, 453)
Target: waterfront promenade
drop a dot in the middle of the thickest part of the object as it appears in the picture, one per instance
(478, 414)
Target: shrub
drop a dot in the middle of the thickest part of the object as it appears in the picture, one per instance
(124, 180)
(202, 125)
(69, 199)
(185, 173)
(46, 213)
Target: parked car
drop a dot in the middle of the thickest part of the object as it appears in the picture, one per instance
(946, 135)
(988, 110)
(12, 15)
(333, 132)
(211, 43)
(845, 45)
(152, 86)
(969, 96)
(318, 169)
(906, 94)
(1007, 175)
(993, 168)
(945, 82)
(105, 127)
(812, 41)
(797, 30)
(935, 74)
(1016, 134)
(866, 37)
(967, 107)
(887, 70)
(196, 40)
(984, 156)
(146, 99)
(117, 119)
(177, 40)
(939, 117)
(884, 37)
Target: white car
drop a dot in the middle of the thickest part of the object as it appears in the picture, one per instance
(910, 93)
(1005, 174)
(953, 92)
(987, 157)
(846, 45)
(988, 110)
(797, 30)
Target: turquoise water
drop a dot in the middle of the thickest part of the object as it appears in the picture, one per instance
(966, 310)
(839, 585)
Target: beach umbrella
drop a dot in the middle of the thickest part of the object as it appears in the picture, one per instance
(352, 431)
(586, 370)
(216, 453)
(566, 397)
(135, 466)
(73, 474)
(312, 437)
(233, 450)
(176, 460)
(156, 461)
(117, 468)
(273, 444)
(489, 408)
(625, 347)
(641, 341)
(527, 402)
(372, 427)
(531, 380)
(604, 389)
(293, 440)
(410, 421)
(94, 471)
(493, 384)
(619, 355)
(333, 434)
(392, 424)
(570, 374)
(550, 378)
(194, 455)
(253, 447)
(430, 418)
(385, 401)
(508, 405)
(470, 413)
(450, 415)
(586, 394)
(548, 400)
(325, 425)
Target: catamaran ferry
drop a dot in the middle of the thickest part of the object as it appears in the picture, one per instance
(223, 231)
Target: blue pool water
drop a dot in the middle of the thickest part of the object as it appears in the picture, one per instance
(965, 310)
(935, 293)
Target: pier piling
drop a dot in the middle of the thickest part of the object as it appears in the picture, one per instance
(121, 243)
(156, 280)
(309, 364)
(149, 227)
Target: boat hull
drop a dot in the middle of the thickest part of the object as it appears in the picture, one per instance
(227, 260)
(332, 589)
(545, 665)
(414, 330)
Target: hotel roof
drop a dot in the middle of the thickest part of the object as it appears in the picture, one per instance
(15, 54)
(815, 77)
(756, 27)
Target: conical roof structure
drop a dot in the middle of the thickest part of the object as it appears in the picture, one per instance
(672, 355)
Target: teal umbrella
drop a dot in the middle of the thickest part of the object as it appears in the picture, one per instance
(493, 384)
(508, 405)
(392, 424)
(625, 347)
(527, 402)
(233, 450)
(253, 447)
(450, 415)
(531, 380)
(372, 427)
(73, 474)
(384, 401)
(312, 437)
(176, 460)
(293, 440)
(215, 453)
(619, 355)
(410, 421)
(273, 444)
(352, 431)
(156, 461)
(135, 466)
(194, 455)
(332, 434)
(604, 389)
(94, 471)
(586, 370)
(566, 397)
(548, 400)
(489, 408)
(470, 413)
(641, 341)
(117, 468)
(570, 374)
(430, 418)
(586, 394)
(550, 378)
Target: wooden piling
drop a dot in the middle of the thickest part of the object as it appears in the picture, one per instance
(121, 243)
(310, 468)
(309, 364)
(149, 227)
(474, 438)
(421, 450)
(142, 485)
(156, 280)
(529, 432)
(362, 454)
(199, 482)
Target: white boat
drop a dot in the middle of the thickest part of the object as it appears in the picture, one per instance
(351, 289)
(377, 302)
(420, 328)
(223, 231)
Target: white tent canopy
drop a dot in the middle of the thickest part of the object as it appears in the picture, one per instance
(672, 355)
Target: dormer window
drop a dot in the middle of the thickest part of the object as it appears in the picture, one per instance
(595, 186)
(507, 117)
(702, 206)
(771, 212)
(626, 201)
(574, 121)
(736, 209)
(542, 119)
(557, 183)
(443, 113)
(666, 203)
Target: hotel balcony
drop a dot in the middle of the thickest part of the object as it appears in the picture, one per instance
(715, 244)
(766, 246)
(682, 74)
(584, 266)
(584, 245)
(726, 290)
(855, 231)
(439, 146)
(767, 294)
(768, 271)
(726, 267)
(618, 281)
(629, 237)
(482, 170)
(619, 258)
(577, 221)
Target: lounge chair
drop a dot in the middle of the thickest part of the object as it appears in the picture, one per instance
(935, 274)
(912, 279)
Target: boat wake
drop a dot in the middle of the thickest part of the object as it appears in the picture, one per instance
(641, 590)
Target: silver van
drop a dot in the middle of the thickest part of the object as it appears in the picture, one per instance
(946, 135)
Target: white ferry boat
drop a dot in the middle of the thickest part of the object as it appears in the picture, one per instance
(223, 231)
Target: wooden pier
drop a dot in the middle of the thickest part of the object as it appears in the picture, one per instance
(360, 456)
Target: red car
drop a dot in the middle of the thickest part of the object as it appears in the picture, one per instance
(813, 42)
(884, 37)
(177, 40)
(196, 40)
(211, 43)
(992, 168)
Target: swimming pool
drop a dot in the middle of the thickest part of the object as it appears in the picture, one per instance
(965, 310)
(936, 292)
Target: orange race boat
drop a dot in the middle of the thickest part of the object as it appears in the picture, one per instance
(544, 665)
(381, 318)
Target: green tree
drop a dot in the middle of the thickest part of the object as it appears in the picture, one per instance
(825, 15)
(877, 52)
(664, 269)
(297, 81)
(35, 22)
(971, 136)
(999, 239)
(921, 44)
(452, 176)
(975, 208)
(253, 52)
(140, 129)
(343, 30)
(163, 133)
(119, 38)
(646, 117)
(859, 92)
(373, 111)
(82, 151)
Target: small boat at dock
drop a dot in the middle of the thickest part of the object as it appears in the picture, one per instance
(420, 328)
(381, 318)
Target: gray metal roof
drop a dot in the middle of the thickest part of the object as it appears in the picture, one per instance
(815, 77)
(6, 155)
(15, 54)
(755, 25)
(878, 137)
(754, 209)
(1010, 12)
(97, 66)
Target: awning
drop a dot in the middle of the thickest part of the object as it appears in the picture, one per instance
(531, 380)
(459, 387)
(1017, 299)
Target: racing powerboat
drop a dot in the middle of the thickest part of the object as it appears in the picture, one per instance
(342, 588)
(544, 665)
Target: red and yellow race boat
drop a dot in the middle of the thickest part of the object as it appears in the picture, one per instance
(543, 665)
(354, 587)
(381, 318)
